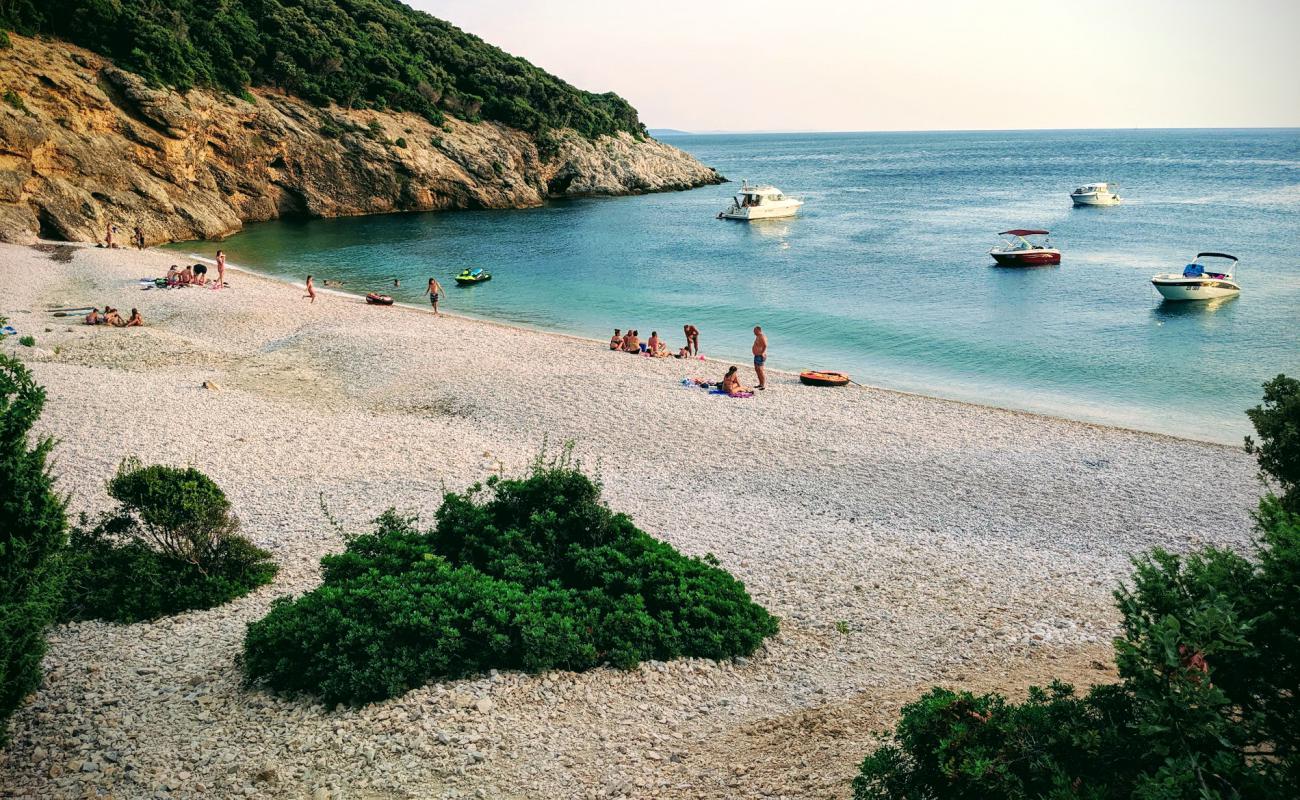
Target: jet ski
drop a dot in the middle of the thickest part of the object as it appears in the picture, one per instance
(469, 277)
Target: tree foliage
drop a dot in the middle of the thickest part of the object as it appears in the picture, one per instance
(1277, 425)
(32, 532)
(541, 575)
(356, 53)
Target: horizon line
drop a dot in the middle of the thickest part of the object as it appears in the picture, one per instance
(725, 132)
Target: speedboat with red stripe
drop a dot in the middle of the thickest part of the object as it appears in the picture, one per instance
(1023, 247)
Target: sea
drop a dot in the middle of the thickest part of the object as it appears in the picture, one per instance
(885, 272)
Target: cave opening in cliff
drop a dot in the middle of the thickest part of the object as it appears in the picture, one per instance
(47, 228)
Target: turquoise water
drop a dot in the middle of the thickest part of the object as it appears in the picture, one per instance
(885, 273)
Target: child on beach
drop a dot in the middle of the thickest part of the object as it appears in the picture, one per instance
(311, 290)
(434, 290)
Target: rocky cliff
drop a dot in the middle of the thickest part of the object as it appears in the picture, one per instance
(84, 144)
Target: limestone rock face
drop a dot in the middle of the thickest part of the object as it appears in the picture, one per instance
(88, 145)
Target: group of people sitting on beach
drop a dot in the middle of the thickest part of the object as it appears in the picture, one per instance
(655, 346)
(196, 275)
(110, 316)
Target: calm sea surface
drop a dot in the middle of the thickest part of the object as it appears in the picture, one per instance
(885, 272)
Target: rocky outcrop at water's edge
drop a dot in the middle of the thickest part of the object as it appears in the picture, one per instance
(84, 144)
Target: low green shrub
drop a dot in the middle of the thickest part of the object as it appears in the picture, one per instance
(1209, 700)
(400, 141)
(12, 98)
(540, 575)
(27, 341)
(171, 545)
(33, 528)
(1277, 426)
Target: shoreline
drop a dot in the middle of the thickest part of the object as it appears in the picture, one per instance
(518, 326)
(904, 541)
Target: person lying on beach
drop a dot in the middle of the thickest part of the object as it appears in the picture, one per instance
(136, 321)
(731, 384)
(616, 341)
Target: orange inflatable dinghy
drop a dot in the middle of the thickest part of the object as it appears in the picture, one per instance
(812, 378)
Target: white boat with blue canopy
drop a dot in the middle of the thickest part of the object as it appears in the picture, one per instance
(1201, 281)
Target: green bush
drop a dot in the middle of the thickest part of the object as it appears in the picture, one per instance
(400, 141)
(356, 53)
(540, 575)
(1277, 423)
(11, 98)
(171, 545)
(27, 341)
(33, 528)
(1209, 700)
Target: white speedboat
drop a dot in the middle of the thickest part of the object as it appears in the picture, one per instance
(760, 202)
(1096, 194)
(1200, 282)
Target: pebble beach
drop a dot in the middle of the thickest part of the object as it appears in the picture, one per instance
(904, 541)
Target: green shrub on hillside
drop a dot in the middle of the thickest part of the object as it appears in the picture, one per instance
(32, 532)
(356, 53)
(171, 545)
(540, 575)
(1209, 702)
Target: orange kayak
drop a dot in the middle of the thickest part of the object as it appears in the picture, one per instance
(812, 378)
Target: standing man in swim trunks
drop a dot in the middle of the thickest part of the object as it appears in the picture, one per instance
(760, 356)
(434, 289)
(692, 339)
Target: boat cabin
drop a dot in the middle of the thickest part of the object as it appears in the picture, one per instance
(755, 196)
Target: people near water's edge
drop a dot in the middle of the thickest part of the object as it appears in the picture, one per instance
(616, 341)
(221, 270)
(760, 356)
(631, 342)
(731, 383)
(311, 290)
(434, 290)
(200, 273)
(692, 339)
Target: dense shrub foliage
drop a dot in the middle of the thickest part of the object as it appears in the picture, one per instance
(1277, 426)
(356, 53)
(32, 532)
(1208, 704)
(171, 545)
(539, 575)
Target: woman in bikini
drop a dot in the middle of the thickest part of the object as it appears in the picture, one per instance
(616, 341)
(731, 384)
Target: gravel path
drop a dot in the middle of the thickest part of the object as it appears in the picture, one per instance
(903, 540)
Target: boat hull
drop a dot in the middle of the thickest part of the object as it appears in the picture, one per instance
(1026, 258)
(1182, 289)
(1095, 199)
(760, 212)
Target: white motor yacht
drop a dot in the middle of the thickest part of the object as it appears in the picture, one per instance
(1200, 282)
(1096, 194)
(760, 202)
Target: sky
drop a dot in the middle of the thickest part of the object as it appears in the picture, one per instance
(841, 65)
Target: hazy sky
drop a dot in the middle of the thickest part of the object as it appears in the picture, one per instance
(913, 64)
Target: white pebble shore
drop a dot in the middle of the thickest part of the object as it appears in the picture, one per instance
(903, 540)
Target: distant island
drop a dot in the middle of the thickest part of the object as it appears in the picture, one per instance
(187, 120)
(667, 132)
